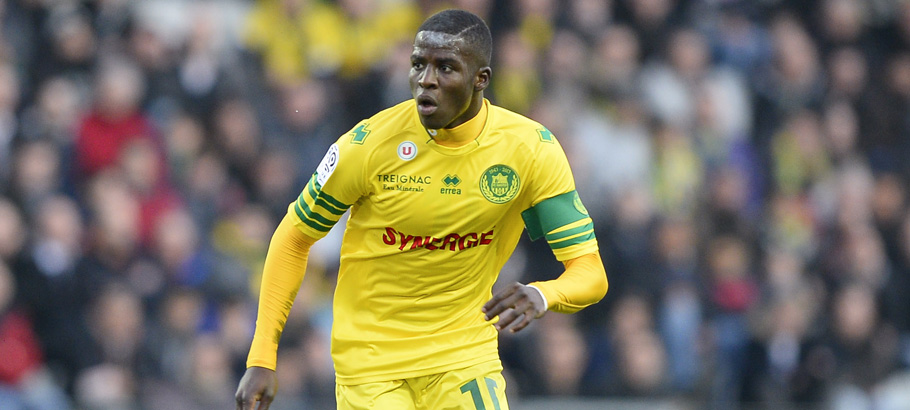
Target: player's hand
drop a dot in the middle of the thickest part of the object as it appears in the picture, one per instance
(258, 384)
(516, 305)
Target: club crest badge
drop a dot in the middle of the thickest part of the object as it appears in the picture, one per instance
(407, 150)
(499, 184)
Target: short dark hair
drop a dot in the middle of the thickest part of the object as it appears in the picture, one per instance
(466, 25)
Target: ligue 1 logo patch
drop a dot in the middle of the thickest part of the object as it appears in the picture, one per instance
(407, 150)
(499, 184)
(327, 165)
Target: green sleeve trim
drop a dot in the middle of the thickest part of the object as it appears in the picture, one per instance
(336, 203)
(324, 200)
(553, 213)
(306, 216)
(563, 235)
(579, 239)
(314, 215)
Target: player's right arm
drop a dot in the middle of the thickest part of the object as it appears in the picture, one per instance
(285, 264)
(337, 183)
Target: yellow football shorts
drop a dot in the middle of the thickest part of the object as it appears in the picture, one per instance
(479, 387)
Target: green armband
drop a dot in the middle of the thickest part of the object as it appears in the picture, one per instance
(562, 219)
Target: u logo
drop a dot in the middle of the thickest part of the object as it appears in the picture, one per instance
(407, 150)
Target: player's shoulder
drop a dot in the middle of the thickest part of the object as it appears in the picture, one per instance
(520, 128)
(385, 125)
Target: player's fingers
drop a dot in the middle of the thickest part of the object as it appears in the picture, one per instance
(245, 403)
(505, 319)
(507, 303)
(499, 297)
(495, 300)
(520, 311)
(247, 400)
(265, 402)
(526, 319)
(523, 308)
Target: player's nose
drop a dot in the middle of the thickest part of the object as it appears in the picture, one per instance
(427, 79)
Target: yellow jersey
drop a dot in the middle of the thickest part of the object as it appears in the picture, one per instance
(429, 230)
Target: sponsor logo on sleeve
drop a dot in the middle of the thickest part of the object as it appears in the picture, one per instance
(327, 165)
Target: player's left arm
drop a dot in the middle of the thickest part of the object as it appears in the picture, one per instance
(583, 283)
(558, 215)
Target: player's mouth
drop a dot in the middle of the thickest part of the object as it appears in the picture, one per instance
(426, 105)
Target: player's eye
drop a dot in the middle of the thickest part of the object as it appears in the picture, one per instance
(416, 65)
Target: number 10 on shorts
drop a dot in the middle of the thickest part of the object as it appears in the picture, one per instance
(474, 389)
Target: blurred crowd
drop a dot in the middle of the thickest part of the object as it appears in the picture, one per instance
(746, 163)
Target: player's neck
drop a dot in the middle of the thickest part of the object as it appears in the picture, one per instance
(463, 133)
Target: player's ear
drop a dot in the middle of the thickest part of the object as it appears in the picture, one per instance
(482, 78)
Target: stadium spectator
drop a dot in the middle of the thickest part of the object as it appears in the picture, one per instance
(116, 119)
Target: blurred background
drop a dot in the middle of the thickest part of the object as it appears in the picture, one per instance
(746, 164)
